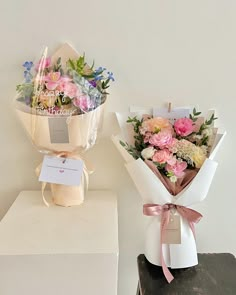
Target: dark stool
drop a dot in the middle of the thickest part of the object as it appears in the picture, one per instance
(215, 274)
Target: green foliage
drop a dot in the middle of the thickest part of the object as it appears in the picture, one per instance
(25, 90)
(139, 144)
(159, 166)
(207, 124)
(105, 84)
(132, 150)
(57, 67)
(194, 115)
(78, 66)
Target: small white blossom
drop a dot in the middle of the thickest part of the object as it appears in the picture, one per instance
(148, 153)
(173, 178)
(207, 132)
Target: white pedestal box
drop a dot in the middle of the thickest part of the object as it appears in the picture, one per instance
(57, 250)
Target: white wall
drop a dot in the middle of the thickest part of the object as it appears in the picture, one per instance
(182, 50)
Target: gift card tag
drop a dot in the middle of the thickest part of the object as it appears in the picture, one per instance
(172, 233)
(61, 170)
(58, 130)
(173, 115)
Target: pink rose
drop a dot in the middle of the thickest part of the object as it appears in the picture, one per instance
(154, 125)
(184, 126)
(63, 82)
(178, 168)
(83, 102)
(70, 90)
(162, 139)
(162, 156)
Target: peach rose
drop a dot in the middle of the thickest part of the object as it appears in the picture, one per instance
(155, 124)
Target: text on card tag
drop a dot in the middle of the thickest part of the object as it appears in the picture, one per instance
(173, 115)
(61, 170)
(172, 234)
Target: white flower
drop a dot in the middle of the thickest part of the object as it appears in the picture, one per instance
(210, 134)
(148, 153)
(207, 132)
(173, 178)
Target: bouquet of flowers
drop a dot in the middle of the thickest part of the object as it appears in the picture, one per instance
(171, 163)
(61, 103)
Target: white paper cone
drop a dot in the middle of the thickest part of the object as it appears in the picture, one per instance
(153, 191)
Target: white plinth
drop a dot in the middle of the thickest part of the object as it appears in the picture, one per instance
(59, 250)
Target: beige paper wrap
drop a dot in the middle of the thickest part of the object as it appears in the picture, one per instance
(82, 130)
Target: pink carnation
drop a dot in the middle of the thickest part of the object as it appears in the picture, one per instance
(147, 137)
(178, 168)
(184, 126)
(162, 139)
(162, 156)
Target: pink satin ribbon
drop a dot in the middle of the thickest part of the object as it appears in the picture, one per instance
(190, 215)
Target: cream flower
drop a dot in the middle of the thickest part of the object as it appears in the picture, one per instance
(199, 156)
(148, 152)
(192, 154)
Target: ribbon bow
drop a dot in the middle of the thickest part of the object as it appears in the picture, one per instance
(65, 154)
(190, 215)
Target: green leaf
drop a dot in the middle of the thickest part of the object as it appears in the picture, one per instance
(92, 65)
(71, 63)
(122, 143)
(59, 61)
(205, 140)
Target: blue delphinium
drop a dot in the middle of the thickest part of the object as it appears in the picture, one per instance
(28, 65)
(99, 70)
(27, 75)
(110, 76)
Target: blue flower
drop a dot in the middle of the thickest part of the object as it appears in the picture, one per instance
(98, 78)
(110, 76)
(27, 76)
(99, 70)
(28, 65)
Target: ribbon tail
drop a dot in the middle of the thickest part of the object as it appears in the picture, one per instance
(168, 275)
(43, 186)
(164, 222)
(42, 191)
(85, 180)
(85, 176)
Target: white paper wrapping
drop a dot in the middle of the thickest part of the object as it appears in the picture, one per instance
(153, 191)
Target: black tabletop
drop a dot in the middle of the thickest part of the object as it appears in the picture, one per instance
(215, 274)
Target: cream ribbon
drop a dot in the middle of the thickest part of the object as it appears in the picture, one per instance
(65, 154)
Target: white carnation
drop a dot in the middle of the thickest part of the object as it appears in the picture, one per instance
(148, 153)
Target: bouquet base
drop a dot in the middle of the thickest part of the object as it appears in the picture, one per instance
(67, 196)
